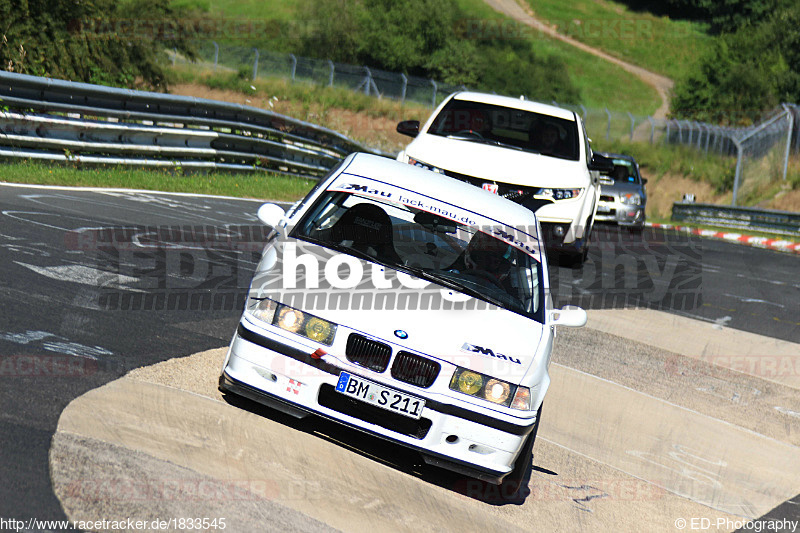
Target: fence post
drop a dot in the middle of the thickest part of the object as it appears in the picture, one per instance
(583, 112)
(367, 80)
(174, 56)
(608, 126)
(738, 175)
(666, 133)
(435, 88)
(330, 76)
(216, 54)
(255, 65)
(652, 129)
(294, 65)
(788, 140)
(405, 86)
(633, 123)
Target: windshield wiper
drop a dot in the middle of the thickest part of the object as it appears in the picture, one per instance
(453, 284)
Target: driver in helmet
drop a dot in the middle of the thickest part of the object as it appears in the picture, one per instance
(489, 257)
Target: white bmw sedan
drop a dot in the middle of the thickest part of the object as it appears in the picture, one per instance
(408, 305)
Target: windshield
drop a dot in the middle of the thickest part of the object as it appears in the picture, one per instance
(509, 127)
(457, 256)
(624, 171)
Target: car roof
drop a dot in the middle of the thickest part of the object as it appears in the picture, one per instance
(442, 188)
(516, 103)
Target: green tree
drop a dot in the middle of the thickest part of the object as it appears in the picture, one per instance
(97, 41)
(746, 72)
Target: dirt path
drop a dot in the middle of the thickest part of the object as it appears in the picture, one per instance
(523, 14)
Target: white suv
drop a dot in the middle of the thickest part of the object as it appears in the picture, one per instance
(534, 154)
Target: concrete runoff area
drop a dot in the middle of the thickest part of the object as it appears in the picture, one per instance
(616, 451)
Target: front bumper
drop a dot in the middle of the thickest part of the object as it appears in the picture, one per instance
(619, 213)
(448, 435)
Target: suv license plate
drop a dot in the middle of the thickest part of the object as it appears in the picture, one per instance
(372, 393)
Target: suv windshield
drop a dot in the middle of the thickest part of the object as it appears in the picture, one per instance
(507, 126)
(464, 258)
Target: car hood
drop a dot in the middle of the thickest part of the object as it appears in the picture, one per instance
(494, 342)
(495, 163)
(620, 187)
(435, 320)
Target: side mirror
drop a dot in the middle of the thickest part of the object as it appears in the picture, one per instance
(644, 181)
(601, 163)
(408, 127)
(271, 214)
(573, 317)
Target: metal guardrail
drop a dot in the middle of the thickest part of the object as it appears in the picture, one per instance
(56, 120)
(783, 222)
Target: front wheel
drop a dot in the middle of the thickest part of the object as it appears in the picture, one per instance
(514, 487)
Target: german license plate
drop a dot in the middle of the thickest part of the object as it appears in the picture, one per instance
(603, 209)
(372, 393)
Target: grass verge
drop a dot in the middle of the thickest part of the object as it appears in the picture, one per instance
(260, 185)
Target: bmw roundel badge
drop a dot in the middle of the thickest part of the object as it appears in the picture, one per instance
(400, 334)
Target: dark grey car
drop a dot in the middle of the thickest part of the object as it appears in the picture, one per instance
(622, 193)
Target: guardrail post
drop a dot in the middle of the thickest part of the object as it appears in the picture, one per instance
(633, 123)
(216, 54)
(255, 65)
(405, 86)
(330, 76)
(294, 65)
(435, 88)
(608, 126)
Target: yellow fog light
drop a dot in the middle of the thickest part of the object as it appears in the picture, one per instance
(318, 329)
(497, 391)
(469, 382)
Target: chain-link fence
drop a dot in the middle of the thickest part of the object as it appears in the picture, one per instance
(760, 153)
(253, 64)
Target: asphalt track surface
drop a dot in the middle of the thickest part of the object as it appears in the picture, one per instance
(57, 296)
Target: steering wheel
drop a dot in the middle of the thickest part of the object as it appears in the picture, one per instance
(469, 133)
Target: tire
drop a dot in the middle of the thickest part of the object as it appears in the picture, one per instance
(514, 488)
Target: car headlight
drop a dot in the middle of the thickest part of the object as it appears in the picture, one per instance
(557, 194)
(631, 198)
(426, 166)
(490, 389)
(293, 320)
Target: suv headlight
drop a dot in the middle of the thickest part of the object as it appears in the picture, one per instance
(631, 198)
(426, 166)
(557, 194)
(490, 389)
(293, 320)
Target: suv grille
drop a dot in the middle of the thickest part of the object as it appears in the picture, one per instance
(328, 397)
(416, 370)
(368, 353)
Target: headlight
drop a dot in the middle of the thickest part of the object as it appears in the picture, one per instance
(292, 320)
(631, 198)
(426, 166)
(490, 389)
(557, 194)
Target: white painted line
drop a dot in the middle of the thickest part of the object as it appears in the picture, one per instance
(134, 191)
